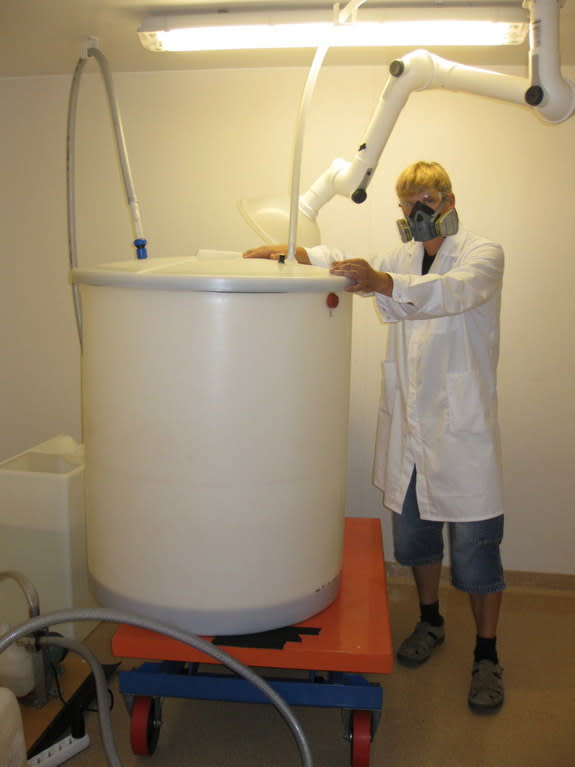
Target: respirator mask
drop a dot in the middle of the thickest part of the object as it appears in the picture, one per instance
(424, 223)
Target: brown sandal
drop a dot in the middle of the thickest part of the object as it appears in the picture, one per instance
(486, 691)
(419, 645)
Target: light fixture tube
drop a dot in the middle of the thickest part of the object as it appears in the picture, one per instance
(310, 29)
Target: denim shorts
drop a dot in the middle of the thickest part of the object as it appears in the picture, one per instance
(475, 546)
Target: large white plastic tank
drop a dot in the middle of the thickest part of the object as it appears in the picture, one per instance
(215, 406)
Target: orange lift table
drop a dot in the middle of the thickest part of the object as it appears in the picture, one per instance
(350, 637)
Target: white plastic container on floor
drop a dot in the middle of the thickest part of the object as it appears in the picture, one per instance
(215, 403)
(12, 744)
(42, 531)
(16, 667)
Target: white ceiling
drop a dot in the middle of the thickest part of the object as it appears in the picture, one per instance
(45, 37)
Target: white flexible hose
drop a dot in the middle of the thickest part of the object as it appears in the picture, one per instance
(298, 148)
(116, 616)
(309, 88)
(349, 10)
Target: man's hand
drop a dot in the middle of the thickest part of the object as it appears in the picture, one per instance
(273, 253)
(365, 278)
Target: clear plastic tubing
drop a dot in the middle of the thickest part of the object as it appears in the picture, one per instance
(140, 240)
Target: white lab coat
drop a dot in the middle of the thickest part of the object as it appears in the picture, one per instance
(438, 408)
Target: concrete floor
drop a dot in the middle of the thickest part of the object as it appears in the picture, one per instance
(425, 722)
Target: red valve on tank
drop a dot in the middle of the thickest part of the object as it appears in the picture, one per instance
(332, 300)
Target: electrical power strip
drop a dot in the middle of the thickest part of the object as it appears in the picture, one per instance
(59, 752)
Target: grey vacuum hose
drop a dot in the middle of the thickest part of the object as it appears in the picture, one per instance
(116, 616)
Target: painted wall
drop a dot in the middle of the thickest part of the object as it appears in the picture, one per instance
(198, 142)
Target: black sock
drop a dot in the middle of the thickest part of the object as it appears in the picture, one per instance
(485, 649)
(430, 614)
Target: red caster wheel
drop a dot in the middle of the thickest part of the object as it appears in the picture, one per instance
(360, 731)
(145, 723)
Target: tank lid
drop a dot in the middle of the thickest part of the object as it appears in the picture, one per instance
(214, 271)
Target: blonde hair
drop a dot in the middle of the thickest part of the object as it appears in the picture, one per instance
(422, 175)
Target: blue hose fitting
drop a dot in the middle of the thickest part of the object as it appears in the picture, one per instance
(141, 251)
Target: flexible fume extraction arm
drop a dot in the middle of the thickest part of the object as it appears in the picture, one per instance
(545, 91)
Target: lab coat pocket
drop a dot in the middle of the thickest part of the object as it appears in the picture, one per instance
(388, 386)
(467, 410)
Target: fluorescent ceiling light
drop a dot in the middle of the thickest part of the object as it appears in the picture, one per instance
(439, 25)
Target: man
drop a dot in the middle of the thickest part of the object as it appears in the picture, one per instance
(437, 456)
